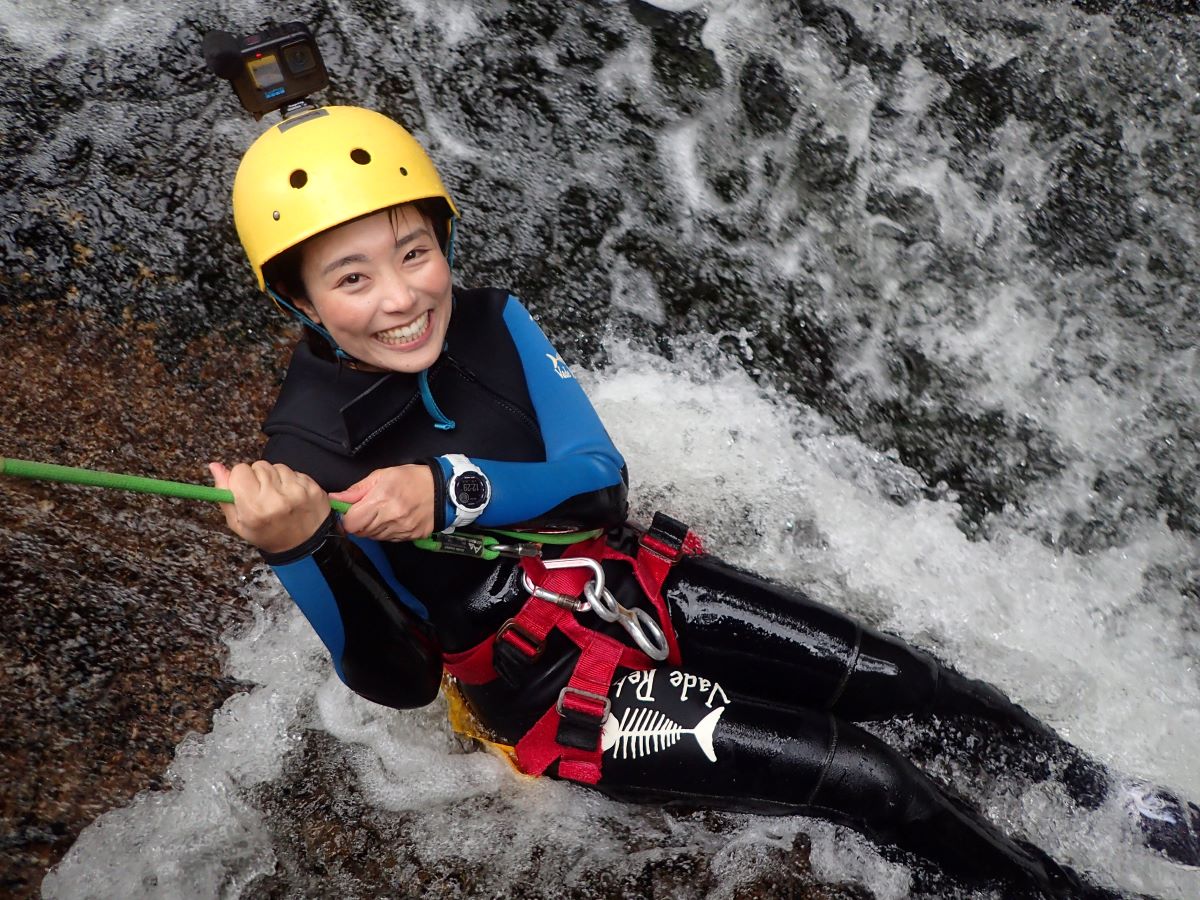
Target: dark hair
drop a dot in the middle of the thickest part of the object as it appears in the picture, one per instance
(282, 271)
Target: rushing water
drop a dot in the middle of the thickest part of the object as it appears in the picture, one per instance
(909, 292)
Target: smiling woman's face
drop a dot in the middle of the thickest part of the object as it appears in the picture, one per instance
(381, 287)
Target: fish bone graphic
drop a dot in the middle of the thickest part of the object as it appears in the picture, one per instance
(643, 731)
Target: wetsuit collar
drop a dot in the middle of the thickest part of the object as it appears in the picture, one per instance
(337, 407)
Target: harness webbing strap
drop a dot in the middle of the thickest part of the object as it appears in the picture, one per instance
(651, 569)
(570, 731)
(472, 666)
(660, 548)
(526, 632)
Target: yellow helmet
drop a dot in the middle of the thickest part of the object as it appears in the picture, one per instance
(322, 168)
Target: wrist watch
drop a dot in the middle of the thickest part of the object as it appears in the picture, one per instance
(468, 490)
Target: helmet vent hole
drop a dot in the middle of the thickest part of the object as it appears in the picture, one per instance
(360, 156)
(299, 178)
(403, 171)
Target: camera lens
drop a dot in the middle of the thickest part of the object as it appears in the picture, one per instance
(299, 58)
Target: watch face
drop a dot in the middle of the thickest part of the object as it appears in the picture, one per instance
(470, 490)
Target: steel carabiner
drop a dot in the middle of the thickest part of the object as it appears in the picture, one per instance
(638, 623)
(566, 562)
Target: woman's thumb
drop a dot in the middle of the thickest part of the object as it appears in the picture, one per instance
(220, 475)
(355, 492)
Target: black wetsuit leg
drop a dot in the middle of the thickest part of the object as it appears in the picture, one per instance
(770, 644)
(673, 736)
(796, 644)
(774, 644)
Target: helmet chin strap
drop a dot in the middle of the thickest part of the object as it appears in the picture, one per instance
(440, 420)
(305, 320)
(450, 244)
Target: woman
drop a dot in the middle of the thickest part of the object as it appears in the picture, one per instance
(641, 664)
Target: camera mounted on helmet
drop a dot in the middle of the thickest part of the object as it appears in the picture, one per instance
(276, 67)
(319, 168)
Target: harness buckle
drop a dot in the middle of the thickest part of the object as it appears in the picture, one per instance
(560, 706)
(513, 650)
(580, 722)
(515, 636)
(665, 538)
(529, 646)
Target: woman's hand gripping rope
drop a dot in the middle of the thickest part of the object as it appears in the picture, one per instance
(392, 504)
(274, 507)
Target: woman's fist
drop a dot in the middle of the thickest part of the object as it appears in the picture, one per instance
(394, 504)
(274, 507)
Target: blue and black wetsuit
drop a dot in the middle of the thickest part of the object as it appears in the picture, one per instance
(788, 675)
(549, 461)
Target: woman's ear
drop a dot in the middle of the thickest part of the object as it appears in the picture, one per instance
(306, 307)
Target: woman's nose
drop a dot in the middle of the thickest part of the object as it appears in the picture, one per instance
(397, 294)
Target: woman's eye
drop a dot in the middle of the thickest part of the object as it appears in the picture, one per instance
(352, 279)
(414, 253)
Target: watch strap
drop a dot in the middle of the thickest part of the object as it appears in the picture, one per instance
(442, 513)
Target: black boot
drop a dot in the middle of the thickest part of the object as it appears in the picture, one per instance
(1165, 822)
(1168, 823)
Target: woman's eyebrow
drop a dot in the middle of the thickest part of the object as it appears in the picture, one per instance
(344, 261)
(411, 236)
(362, 257)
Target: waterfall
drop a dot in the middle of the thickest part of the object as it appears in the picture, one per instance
(909, 292)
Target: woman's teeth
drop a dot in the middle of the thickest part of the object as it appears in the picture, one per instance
(405, 334)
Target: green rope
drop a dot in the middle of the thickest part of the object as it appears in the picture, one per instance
(488, 546)
(574, 537)
(22, 468)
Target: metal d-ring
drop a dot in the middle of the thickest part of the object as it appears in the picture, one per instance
(636, 622)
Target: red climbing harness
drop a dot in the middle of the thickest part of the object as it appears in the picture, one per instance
(569, 732)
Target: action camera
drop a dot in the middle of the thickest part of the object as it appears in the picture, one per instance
(276, 67)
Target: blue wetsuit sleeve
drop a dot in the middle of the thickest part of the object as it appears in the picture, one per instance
(582, 466)
(375, 630)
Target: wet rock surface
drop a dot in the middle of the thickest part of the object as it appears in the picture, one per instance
(114, 603)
